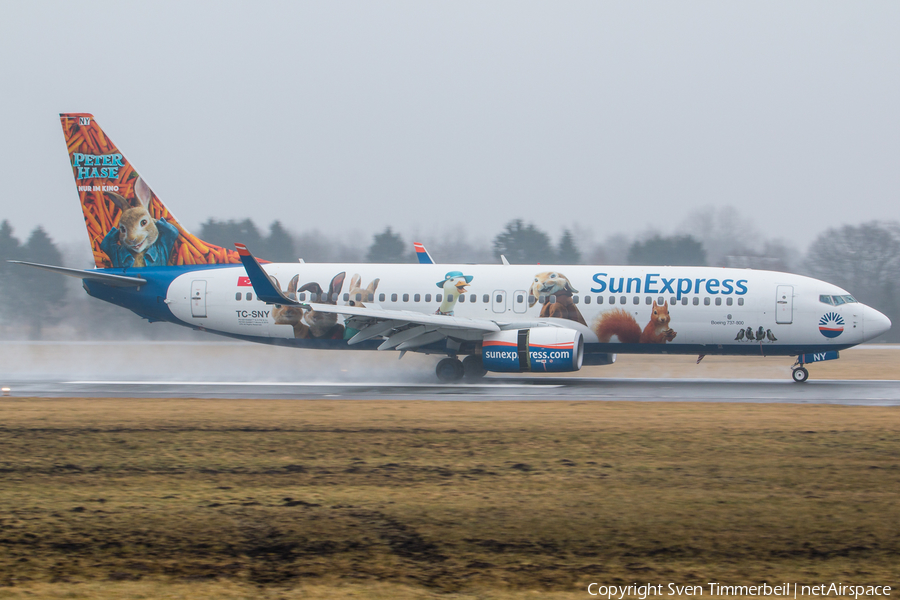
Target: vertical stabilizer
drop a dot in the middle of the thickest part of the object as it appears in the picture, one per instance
(128, 225)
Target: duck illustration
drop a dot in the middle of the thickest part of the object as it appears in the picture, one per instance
(739, 336)
(760, 333)
(454, 284)
(771, 336)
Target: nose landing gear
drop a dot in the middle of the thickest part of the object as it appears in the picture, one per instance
(799, 374)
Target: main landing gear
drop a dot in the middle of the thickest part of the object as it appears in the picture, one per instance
(450, 370)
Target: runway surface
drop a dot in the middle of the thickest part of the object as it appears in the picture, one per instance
(862, 393)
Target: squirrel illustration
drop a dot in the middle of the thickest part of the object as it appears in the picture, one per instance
(620, 323)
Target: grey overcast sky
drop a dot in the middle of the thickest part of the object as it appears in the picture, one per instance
(432, 116)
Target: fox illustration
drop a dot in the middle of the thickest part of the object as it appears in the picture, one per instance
(621, 324)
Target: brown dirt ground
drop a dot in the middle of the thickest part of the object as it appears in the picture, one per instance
(388, 499)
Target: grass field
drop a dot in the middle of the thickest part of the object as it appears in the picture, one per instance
(119, 498)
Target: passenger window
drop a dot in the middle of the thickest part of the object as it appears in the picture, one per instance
(623, 300)
(381, 297)
(531, 298)
(672, 300)
(359, 298)
(449, 297)
(648, 301)
(587, 299)
(660, 301)
(740, 301)
(706, 302)
(417, 298)
(347, 297)
(487, 298)
(636, 300)
(729, 301)
(684, 301)
(406, 297)
(575, 299)
(612, 299)
(393, 297)
(438, 297)
(462, 297)
(473, 298)
(237, 296)
(249, 296)
(301, 296)
(519, 299)
(427, 297)
(696, 301)
(599, 299)
(718, 302)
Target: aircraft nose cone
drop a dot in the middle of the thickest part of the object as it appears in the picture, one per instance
(875, 323)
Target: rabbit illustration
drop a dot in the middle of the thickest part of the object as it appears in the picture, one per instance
(324, 325)
(358, 295)
(290, 315)
(139, 240)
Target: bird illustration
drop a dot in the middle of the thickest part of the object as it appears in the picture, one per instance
(771, 336)
(760, 333)
(454, 284)
(750, 333)
(739, 336)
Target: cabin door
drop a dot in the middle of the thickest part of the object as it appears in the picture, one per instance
(784, 304)
(198, 298)
(499, 301)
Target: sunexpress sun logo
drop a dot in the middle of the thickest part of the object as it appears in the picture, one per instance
(831, 325)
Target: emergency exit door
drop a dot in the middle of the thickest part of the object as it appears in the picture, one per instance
(784, 304)
(499, 301)
(198, 298)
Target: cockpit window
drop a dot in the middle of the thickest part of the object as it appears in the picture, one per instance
(837, 300)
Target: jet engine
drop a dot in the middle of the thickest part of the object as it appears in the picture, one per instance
(539, 349)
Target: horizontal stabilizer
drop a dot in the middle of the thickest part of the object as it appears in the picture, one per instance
(259, 279)
(101, 276)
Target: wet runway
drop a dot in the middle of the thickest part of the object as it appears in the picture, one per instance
(862, 393)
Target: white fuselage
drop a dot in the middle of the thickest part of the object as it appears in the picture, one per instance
(708, 307)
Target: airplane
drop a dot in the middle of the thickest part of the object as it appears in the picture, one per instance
(478, 318)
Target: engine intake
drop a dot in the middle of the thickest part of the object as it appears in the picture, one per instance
(539, 349)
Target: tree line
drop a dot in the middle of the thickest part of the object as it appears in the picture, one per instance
(864, 259)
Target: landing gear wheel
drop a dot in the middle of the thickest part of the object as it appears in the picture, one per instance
(473, 367)
(449, 370)
(800, 375)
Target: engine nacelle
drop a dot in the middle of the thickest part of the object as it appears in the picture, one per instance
(539, 349)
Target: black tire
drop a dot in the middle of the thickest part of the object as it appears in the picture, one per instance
(800, 375)
(473, 367)
(449, 370)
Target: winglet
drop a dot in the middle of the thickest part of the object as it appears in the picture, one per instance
(422, 254)
(262, 285)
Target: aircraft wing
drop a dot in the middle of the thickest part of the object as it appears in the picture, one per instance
(422, 254)
(404, 329)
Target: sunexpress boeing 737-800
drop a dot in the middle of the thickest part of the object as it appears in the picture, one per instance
(501, 318)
